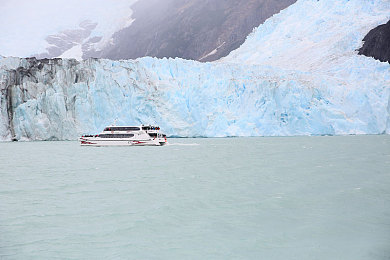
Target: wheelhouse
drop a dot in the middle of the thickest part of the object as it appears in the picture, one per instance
(149, 128)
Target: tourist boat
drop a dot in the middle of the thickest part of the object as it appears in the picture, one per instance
(126, 136)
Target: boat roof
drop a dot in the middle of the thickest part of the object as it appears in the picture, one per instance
(132, 126)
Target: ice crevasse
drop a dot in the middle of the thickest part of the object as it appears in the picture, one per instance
(297, 74)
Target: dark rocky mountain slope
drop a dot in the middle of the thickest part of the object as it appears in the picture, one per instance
(203, 30)
(377, 43)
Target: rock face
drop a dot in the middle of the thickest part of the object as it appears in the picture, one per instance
(377, 43)
(202, 30)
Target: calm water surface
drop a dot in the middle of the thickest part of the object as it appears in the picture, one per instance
(240, 198)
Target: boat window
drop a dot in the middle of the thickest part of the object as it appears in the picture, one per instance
(125, 128)
(116, 135)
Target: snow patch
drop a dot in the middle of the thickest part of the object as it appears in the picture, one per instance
(212, 52)
(74, 53)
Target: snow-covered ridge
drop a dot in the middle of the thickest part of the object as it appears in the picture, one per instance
(312, 34)
(242, 95)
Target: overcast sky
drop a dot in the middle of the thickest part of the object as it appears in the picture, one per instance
(24, 24)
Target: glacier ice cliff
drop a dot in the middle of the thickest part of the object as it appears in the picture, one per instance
(297, 74)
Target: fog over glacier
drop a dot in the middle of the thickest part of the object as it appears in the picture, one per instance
(297, 74)
(31, 28)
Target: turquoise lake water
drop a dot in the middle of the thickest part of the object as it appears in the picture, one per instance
(236, 198)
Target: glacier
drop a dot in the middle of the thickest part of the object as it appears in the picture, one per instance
(297, 74)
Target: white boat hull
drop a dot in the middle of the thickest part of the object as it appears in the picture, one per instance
(94, 142)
